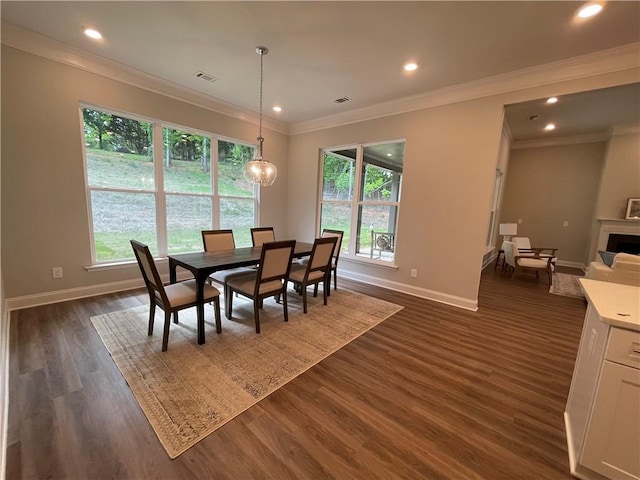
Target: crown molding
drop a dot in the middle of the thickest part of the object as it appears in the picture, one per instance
(568, 140)
(39, 45)
(612, 60)
(624, 130)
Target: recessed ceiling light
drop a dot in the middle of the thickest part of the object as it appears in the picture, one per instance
(549, 127)
(277, 109)
(92, 33)
(552, 100)
(389, 154)
(411, 66)
(590, 10)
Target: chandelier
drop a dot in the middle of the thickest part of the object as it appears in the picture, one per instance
(260, 171)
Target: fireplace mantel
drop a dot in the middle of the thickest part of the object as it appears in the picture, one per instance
(607, 226)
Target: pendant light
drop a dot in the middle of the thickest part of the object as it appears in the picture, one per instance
(260, 171)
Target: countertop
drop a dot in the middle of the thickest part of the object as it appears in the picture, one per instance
(617, 304)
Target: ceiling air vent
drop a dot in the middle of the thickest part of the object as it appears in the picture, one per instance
(342, 100)
(206, 76)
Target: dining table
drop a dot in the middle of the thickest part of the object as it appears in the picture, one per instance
(203, 264)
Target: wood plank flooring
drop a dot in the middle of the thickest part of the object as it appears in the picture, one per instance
(434, 392)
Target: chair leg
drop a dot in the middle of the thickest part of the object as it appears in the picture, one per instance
(326, 285)
(256, 313)
(304, 299)
(152, 316)
(175, 317)
(228, 300)
(284, 305)
(315, 289)
(335, 279)
(216, 306)
(165, 335)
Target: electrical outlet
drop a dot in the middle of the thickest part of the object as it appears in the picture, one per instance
(414, 273)
(565, 223)
(519, 221)
(56, 272)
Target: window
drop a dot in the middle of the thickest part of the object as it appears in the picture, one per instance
(164, 198)
(495, 201)
(361, 188)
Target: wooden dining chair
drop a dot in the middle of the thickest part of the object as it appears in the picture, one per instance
(261, 235)
(269, 280)
(217, 240)
(326, 233)
(338, 234)
(173, 297)
(316, 270)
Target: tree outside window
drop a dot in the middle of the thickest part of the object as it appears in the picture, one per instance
(165, 198)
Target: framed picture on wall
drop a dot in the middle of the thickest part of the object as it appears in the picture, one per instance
(633, 209)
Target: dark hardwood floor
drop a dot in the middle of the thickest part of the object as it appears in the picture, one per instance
(434, 392)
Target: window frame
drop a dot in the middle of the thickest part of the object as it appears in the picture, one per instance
(357, 200)
(493, 211)
(159, 193)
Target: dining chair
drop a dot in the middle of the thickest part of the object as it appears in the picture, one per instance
(326, 233)
(336, 255)
(173, 297)
(269, 280)
(316, 270)
(217, 240)
(260, 235)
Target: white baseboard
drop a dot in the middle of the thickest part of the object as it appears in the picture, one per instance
(440, 297)
(4, 390)
(26, 301)
(565, 263)
(46, 298)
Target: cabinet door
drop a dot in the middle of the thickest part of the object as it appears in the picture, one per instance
(613, 438)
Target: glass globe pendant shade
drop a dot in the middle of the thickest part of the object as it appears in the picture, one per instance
(261, 172)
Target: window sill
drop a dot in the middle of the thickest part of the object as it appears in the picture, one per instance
(116, 265)
(368, 262)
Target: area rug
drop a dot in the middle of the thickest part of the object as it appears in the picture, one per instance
(191, 390)
(566, 285)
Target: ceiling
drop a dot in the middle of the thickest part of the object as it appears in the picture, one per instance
(586, 113)
(322, 51)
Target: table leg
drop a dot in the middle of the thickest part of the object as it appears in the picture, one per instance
(173, 266)
(200, 281)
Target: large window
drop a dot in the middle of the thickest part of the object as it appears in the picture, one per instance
(162, 196)
(361, 188)
(495, 202)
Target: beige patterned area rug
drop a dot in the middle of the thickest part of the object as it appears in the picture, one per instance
(190, 390)
(566, 285)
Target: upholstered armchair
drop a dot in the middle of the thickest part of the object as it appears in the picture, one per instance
(527, 262)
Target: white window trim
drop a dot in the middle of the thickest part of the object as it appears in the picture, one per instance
(159, 193)
(355, 202)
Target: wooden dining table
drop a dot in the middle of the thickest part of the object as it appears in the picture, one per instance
(203, 264)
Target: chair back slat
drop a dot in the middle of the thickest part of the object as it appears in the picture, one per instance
(262, 235)
(214, 240)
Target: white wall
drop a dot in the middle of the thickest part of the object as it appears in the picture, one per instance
(620, 173)
(550, 185)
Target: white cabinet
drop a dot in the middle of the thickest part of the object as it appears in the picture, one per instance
(602, 416)
(612, 442)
